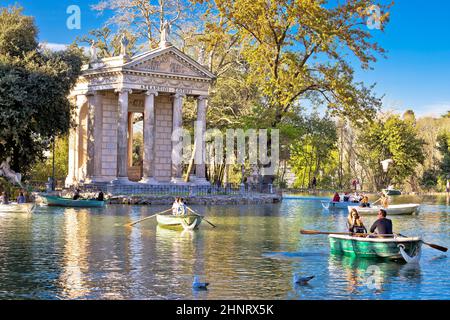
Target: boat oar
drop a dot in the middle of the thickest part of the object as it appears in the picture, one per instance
(214, 226)
(133, 223)
(315, 232)
(432, 245)
(435, 246)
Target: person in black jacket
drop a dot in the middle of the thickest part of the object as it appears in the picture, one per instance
(383, 225)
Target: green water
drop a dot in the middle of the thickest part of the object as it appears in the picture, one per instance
(58, 253)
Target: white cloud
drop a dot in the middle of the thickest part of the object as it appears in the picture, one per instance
(54, 46)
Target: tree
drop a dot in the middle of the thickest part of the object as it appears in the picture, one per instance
(299, 50)
(44, 169)
(34, 86)
(390, 138)
(443, 145)
(313, 152)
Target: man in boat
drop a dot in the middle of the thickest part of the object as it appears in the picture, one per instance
(101, 196)
(382, 225)
(182, 209)
(76, 194)
(21, 198)
(346, 197)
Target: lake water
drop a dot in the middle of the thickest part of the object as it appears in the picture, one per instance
(58, 253)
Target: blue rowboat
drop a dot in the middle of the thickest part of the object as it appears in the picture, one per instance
(56, 201)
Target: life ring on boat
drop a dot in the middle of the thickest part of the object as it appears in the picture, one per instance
(407, 257)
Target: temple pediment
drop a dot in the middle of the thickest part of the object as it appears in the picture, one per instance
(168, 61)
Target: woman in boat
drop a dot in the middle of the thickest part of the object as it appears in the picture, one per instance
(176, 206)
(354, 223)
(336, 197)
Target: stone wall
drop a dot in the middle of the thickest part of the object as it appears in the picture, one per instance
(163, 138)
(198, 200)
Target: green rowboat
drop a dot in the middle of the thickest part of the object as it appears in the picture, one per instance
(186, 222)
(56, 201)
(385, 248)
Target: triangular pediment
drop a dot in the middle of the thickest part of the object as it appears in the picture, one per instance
(168, 61)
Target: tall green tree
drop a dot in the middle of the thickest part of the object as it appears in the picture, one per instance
(34, 86)
(390, 138)
(300, 50)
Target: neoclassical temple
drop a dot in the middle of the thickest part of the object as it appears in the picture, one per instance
(110, 91)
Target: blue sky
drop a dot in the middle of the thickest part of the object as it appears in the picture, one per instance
(416, 74)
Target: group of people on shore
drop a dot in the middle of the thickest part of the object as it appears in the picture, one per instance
(4, 198)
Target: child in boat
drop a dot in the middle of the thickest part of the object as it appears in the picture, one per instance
(354, 223)
(384, 201)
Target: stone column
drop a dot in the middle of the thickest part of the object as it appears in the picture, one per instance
(149, 138)
(72, 166)
(94, 137)
(177, 168)
(130, 139)
(122, 137)
(200, 152)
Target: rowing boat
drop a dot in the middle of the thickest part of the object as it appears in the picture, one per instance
(186, 222)
(338, 205)
(56, 201)
(385, 248)
(15, 207)
(393, 209)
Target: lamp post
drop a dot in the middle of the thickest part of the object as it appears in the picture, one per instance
(53, 166)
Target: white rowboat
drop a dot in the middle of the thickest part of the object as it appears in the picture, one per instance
(393, 209)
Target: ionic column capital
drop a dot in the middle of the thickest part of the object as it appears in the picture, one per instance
(123, 90)
(179, 95)
(202, 98)
(151, 92)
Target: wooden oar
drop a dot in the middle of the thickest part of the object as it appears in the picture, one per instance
(201, 216)
(432, 245)
(133, 223)
(315, 232)
(435, 246)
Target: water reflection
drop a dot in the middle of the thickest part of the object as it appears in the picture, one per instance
(75, 256)
(359, 274)
(252, 254)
